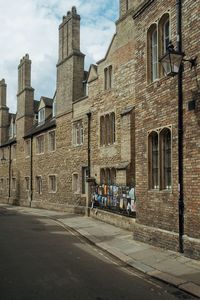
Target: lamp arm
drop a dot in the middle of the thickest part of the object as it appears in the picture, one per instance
(193, 61)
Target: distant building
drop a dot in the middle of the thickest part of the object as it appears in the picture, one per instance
(122, 115)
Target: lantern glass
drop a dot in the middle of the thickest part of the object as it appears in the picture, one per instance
(171, 62)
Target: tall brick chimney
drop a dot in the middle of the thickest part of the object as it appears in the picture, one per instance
(70, 67)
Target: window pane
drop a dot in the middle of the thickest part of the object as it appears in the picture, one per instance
(154, 157)
(154, 55)
(167, 159)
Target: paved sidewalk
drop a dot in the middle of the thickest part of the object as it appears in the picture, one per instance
(168, 266)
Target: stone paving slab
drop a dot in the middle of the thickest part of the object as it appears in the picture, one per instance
(167, 277)
(192, 288)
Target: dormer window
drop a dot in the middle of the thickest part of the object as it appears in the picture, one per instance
(41, 115)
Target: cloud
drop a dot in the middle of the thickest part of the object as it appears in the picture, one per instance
(32, 27)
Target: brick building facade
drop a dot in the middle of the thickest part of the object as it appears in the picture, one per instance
(117, 122)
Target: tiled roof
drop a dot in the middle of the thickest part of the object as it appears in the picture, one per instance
(49, 123)
(9, 142)
(47, 101)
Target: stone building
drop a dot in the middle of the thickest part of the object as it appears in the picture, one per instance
(116, 122)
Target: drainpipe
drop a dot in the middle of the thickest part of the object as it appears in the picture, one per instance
(180, 128)
(9, 173)
(89, 161)
(31, 172)
(88, 198)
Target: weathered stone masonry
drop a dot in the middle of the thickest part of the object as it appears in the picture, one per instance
(33, 172)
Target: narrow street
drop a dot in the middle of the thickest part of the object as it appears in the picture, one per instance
(41, 260)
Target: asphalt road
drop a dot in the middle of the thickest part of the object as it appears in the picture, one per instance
(41, 260)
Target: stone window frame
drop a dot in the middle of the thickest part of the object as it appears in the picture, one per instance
(108, 77)
(38, 184)
(107, 129)
(40, 144)
(159, 27)
(14, 183)
(52, 184)
(78, 133)
(27, 148)
(161, 184)
(14, 149)
(108, 175)
(75, 183)
(1, 183)
(50, 148)
(27, 183)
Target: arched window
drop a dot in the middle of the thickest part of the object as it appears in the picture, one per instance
(108, 77)
(160, 159)
(112, 128)
(113, 176)
(102, 176)
(108, 176)
(107, 130)
(165, 140)
(158, 37)
(164, 36)
(152, 53)
(102, 130)
(153, 160)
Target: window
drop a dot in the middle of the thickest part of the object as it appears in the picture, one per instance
(52, 184)
(108, 176)
(154, 55)
(14, 183)
(75, 183)
(160, 159)
(108, 78)
(27, 183)
(38, 184)
(28, 148)
(52, 141)
(153, 152)
(14, 152)
(40, 144)
(164, 30)
(107, 129)
(165, 35)
(1, 184)
(41, 115)
(158, 37)
(165, 140)
(78, 133)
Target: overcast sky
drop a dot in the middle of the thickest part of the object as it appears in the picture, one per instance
(31, 26)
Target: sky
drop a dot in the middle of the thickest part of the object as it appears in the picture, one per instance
(31, 26)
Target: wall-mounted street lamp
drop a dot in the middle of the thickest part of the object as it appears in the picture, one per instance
(173, 59)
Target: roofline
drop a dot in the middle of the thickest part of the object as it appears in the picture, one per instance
(53, 125)
(101, 60)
